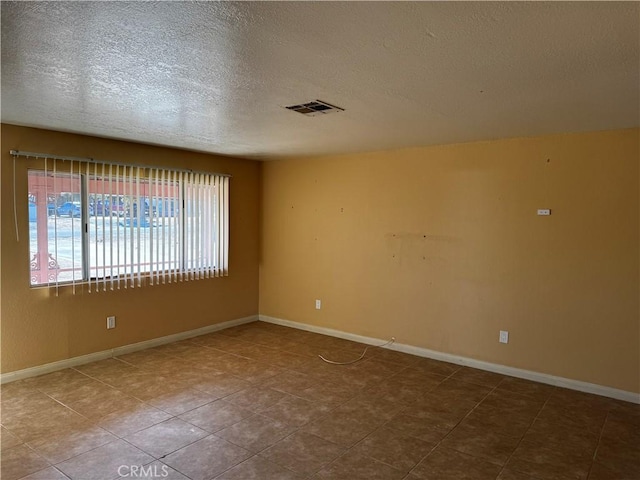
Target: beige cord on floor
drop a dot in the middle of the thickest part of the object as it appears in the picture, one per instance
(393, 339)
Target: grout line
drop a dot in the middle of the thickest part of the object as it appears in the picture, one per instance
(456, 425)
(595, 452)
(526, 431)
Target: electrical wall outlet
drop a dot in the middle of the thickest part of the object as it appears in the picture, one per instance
(504, 336)
(318, 304)
(111, 322)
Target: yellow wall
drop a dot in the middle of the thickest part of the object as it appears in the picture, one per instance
(441, 247)
(38, 328)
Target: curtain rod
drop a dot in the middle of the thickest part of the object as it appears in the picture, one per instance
(19, 153)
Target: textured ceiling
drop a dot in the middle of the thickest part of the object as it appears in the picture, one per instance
(214, 76)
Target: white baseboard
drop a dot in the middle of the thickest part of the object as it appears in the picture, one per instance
(134, 347)
(469, 362)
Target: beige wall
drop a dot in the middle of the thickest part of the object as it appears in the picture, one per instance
(441, 247)
(38, 328)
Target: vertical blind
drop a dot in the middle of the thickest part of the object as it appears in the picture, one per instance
(112, 226)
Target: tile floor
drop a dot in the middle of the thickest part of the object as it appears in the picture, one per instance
(256, 402)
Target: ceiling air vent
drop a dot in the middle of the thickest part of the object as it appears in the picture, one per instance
(317, 107)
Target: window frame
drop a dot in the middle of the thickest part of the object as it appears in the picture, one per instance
(182, 269)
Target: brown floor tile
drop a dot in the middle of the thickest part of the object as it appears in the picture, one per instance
(549, 462)
(206, 458)
(560, 434)
(443, 413)
(178, 402)
(305, 350)
(248, 368)
(615, 472)
(456, 389)
(345, 429)
(423, 429)
(390, 447)
(588, 419)
(444, 464)
(481, 443)
(256, 433)
(130, 420)
(68, 378)
(166, 437)
(573, 399)
(626, 410)
(19, 388)
(289, 382)
(537, 391)
(220, 342)
(103, 462)
(49, 473)
(619, 455)
(303, 453)
(48, 421)
(142, 357)
(25, 405)
(499, 421)
(257, 468)
(8, 439)
(153, 388)
(359, 379)
(200, 355)
(506, 400)
(216, 415)
(255, 399)
(176, 369)
(358, 467)
(393, 356)
(108, 371)
(175, 348)
(59, 447)
(428, 365)
(622, 428)
(330, 393)
(399, 391)
(153, 471)
(380, 408)
(396, 406)
(478, 377)
(287, 360)
(376, 366)
(20, 461)
(254, 351)
(508, 474)
(296, 411)
(410, 376)
(221, 385)
(96, 400)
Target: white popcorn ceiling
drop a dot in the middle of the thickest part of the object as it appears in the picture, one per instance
(214, 76)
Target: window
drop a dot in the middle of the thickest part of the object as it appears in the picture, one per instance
(114, 226)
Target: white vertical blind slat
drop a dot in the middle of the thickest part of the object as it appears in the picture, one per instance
(151, 198)
(131, 232)
(104, 243)
(73, 239)
(119, 205)
(225, 262)
(165, 198)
